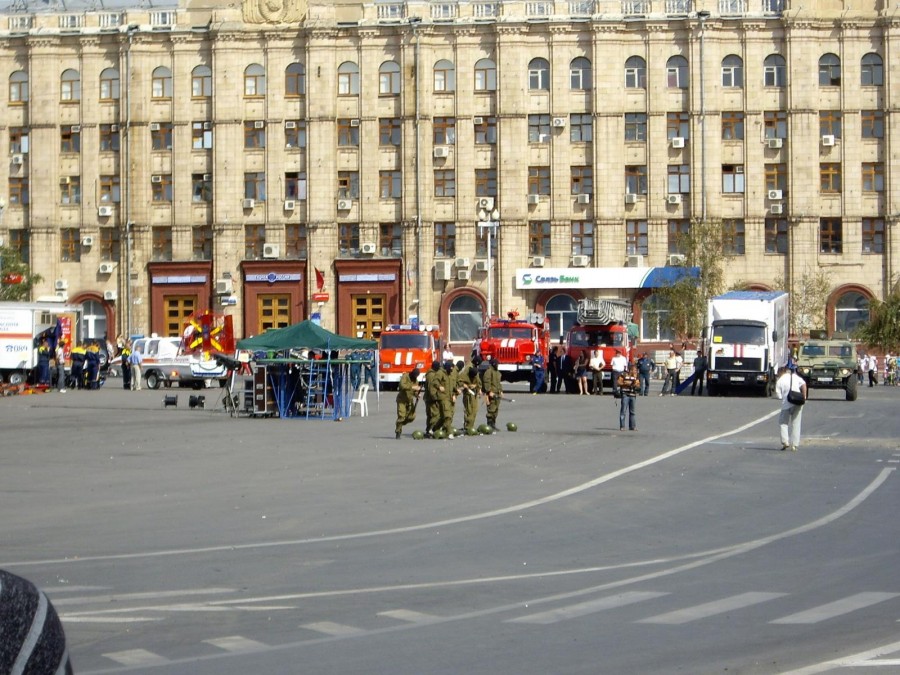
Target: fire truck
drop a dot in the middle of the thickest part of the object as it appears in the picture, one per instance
(514, 343)
(404, 347)
(601, 323)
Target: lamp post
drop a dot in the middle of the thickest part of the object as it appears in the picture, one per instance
(488, 222)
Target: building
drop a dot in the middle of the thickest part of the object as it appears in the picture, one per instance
(354, 162)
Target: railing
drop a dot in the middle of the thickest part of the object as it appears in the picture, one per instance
(633, 7)
(71, 21)
(678, 6)
(444, 10)
(538, 9)
(581, 7)
(20, 22)
(110, 20)
(392, 11)
(163, 18)
(732, 7)
(486, 10)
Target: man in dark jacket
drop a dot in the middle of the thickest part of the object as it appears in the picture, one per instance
(699, 372)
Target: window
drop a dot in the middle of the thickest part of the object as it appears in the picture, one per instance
(19, 242)
(70, 190)
(636, 180)
(389, 184)
(539, 75)
(296, 241)
(679, 179)
(677, 73)
(109, 191)
(295, 134)
(254, 241)
(390, 238)
(582, 180)
(872, 122)
(254, 135)
(635, 73)
(486, 182)
(161, 136)
(776, 235)
(580, 75)
(348, 185)
(444, 130)
(18, 140)
(109, 138)
(444, 240)
(733, 236)
(539, 180)
(678, 124)
(444, 76)
(348, 132)
(561, 312)
(70, 138)
(18, 191)
(70, 244)
(636, 240)
(388, 78)
(636, 127)
(581, 128)
(255, 185)
(295, 80)
(254, 81)
(829, 71)
(831, 236)
(201, 82)
(733, 71)
(110, 244)
(733, 178)
(201, 188)
(830, 177)
(202, 242)
(732, 125)
(873, 177)
(161, 188)
(201, 135)
(774, 71)
(776, 177)
(678, 231)
(851, 310)
(539, 128)
(161, 83)
(70, 86)
(830, 123)
(445, 183)
(583, 238)
(486, 131)
(775, 123)
(348, 79)
(873, 235)
(466, 316)
(539, 238)
(872, 71)
(295, 185)
(655, 320)
(18, 87)
(109, 84)
(485, 75)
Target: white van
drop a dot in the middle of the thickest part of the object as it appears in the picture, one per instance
(164, 365)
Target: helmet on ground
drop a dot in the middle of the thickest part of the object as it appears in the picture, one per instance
(440, 433)
(486, 429)
(511, 426)
(454, 431)
(472, 431)
(418, 434)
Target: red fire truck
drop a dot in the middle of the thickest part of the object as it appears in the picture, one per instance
(515, 343)
(404, 347)
(601, 323)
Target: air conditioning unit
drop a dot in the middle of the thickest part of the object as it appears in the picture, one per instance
(486, 203)
(290, 125)
(207, 126)
(154, 126)
(828, 140)
(463, 275)
(477, 120)
(630, 198)
(775, 143)
(75, 128)
(368, 248)
(354, 123)
(634, 261)
(114, 128)
(775, 195)
(271, 250)
(462, 262)
(673, 199)
(259, 124)
(675, 259)
(110, 295)
(207, 177)
(87, 242)
(248, 203)
(537, 261)
(677, 142)
(289, 204)
(61, 285)
(559, 122)
(580, 261)
(443, 270)
(441, 152)
(17, 159)
(106, 268)
(224, 286)
(776, 209)
(583, 199)
(481, 265)
(156, 179)
(105, 211)
(344, 204)
(534, 199)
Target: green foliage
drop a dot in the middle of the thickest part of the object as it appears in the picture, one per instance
(809, 297)
(883, 328)
(12, 269)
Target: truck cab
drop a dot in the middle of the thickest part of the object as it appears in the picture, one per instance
(403, 347)
(515, 344)
(602, 323)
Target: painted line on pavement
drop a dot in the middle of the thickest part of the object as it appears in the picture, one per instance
(709, 609)
(836, 608)
(860, 659)
(237, 644)
(586, 608)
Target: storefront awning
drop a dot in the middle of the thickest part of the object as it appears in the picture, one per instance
(533, 278)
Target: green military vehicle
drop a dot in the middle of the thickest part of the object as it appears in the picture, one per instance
(828, 364)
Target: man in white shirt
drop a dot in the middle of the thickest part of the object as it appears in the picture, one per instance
(597, 364)
(619, 365)
(791, 413)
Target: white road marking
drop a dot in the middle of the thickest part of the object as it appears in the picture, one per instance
(409, 616)
(78, 618)
(137, 657)
(709, 609)
(149, 595)
(854, 660)
(836, 608)
(585, 608)
(333, 629)
(237, 643)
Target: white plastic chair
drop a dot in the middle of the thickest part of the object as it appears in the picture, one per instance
(361, 400)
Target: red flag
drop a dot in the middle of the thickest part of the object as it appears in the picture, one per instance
(320, 279)
(408, 276)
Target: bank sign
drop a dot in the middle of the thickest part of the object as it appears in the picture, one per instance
(532, 278)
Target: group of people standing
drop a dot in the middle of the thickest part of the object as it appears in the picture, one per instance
(85, 372)
(131, 365)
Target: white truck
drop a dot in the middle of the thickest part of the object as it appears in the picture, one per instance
(164, 364)
(21, 323)
(747, 340)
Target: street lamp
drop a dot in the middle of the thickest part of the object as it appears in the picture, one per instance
(488, 222)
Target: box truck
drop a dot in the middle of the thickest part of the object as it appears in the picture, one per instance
(20, 325)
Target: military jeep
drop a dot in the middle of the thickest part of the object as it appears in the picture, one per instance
(828, 364)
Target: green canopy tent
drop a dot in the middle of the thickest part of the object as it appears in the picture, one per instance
(303, 335)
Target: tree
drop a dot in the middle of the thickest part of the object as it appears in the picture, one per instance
(809, 297)
(882, 330)
(16, 279)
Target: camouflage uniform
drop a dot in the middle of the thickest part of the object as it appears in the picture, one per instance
(407, 397)
(493, 390)
(470, 384)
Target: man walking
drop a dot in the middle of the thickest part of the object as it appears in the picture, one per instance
(790, 385)
(470, 386)
(407, 398)
(628, 387)
(645, 367)
(493, 390)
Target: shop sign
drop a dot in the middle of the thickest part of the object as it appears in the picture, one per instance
(320, 297)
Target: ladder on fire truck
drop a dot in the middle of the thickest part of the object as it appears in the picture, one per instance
(601, 311)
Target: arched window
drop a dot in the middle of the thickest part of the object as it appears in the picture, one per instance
(872, 70)
(733, 71)
(109, 84)
(295, 80)
(851, 310)
(465, 313)
(201, 82)
(539, 75)
(635, 73)
(654, 320)
(94, 316)
(348, 79)
(829, 70)
(70, 86)
(561, 311)
(485, 75)
(161, 84)
(775, 71)
(18, 87)
(677, 73)
(388, 79)
(254, 81)
(444, 76)
(580, 75)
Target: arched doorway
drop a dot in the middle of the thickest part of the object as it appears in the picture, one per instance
(561, 311)
(465, 316)
(851, 308)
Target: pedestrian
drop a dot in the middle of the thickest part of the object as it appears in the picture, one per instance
(92, 367)
(596, 366)
(407, 399)
(679, 362)
(60, 358)
(619, 365)
(447, 354)
(628, 387)
(671, 366)
(567, 372)
(860, 367)
(538, 374)
(469, 381)
(79, 354)
(872, 367)
(791, 389)
(125, 355)
(699, 372)
(43, 363)
(553, 368)
(646, 366)
(581, 374)
(136, 359)
(443, 394)
(493, 391)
